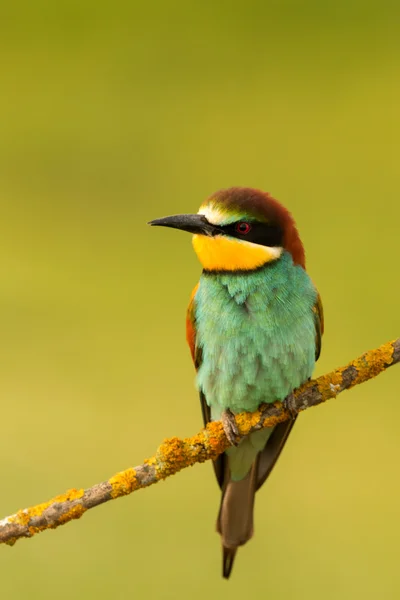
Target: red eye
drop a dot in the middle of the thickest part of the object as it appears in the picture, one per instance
(243, 227)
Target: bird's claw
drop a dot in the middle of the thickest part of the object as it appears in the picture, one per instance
(289, 404)
(230, 428)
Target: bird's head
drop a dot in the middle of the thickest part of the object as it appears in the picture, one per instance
(239, 229)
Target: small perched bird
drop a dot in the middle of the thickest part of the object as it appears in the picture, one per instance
(254, 327)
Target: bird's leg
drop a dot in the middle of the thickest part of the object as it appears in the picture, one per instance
(289, 404)
(230, 427)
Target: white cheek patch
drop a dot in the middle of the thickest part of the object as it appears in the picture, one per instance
(273, 251)
(270, 252)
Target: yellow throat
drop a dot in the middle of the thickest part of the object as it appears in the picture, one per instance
(221, 253)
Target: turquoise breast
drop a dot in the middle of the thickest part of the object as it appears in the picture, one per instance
(256, 334)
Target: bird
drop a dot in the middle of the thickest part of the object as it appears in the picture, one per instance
(254, 326)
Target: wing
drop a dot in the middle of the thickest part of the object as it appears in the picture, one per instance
(268, 457)
(191, 326)
(219, 463)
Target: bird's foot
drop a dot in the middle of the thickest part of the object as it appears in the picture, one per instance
(289, 404)
(230, 428)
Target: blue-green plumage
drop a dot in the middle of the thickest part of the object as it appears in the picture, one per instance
(256, 334)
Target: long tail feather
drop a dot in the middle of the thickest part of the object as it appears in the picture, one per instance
(228, 557)
(235, 519)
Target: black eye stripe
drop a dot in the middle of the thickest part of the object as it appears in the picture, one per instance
(264, 234)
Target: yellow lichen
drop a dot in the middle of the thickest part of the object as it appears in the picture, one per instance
(372, 363)
(22, 517)
(305, 386)
(216, 439)
(74, 513)
(204, 446)
(123, 483)
(330, 383)
(172, 456)
(368, 365)
(245, 421)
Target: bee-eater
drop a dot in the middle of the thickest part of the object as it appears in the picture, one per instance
(254, 327)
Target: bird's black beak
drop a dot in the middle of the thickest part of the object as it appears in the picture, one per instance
(191, 223)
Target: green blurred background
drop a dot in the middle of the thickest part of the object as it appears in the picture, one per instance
(115, 114)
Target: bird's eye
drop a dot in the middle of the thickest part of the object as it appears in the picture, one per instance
(243, 227)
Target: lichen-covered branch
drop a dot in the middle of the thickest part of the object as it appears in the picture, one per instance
(175, 454)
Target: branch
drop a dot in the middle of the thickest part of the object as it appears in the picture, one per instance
(175, 454)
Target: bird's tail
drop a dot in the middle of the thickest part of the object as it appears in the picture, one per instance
(235, 519)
